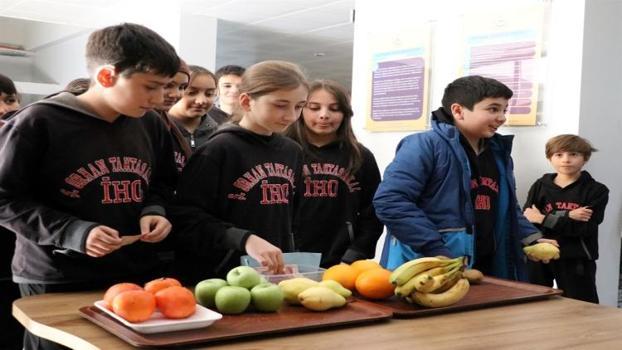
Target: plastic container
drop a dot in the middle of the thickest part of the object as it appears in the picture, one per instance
(311, 272)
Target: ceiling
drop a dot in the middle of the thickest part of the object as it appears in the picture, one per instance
(317, 34)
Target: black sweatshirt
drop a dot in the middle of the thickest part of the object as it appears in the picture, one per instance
(201, 134)
(577, 239)
(336, 216)
(236, 184)
(64, 171)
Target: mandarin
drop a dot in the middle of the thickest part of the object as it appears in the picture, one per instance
(176, 302)
(342, 273)
(134, 305)
(114, 290)
(374, 284)
(364, 265)
(161, 283)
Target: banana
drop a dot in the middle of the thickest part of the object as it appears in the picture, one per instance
(449, 297)
(420, 281)
(410, 269)
(446, 281)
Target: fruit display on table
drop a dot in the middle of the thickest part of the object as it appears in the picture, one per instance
(244, 287)
(431, 281)
(137, 304)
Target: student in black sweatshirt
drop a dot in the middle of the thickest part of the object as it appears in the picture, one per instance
(173, 92)
(9, 292)
(79, 173)
(190, 112)
(340, 176)
(228, 79)
(236, 194)
(568, 206)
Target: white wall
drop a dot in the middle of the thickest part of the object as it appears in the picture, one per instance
(197, 43)
(601, 91)
(565, 101)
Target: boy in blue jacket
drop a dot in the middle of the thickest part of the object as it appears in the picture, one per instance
(451, 190)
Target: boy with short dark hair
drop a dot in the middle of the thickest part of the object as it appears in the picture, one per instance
(450, 191)
(228, 79)
(568, 206)
(79, 174)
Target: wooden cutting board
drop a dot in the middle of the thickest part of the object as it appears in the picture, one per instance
(288, 319)
(491, 292)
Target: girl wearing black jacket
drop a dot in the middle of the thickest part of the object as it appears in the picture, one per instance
(236, 194)
(340, 176)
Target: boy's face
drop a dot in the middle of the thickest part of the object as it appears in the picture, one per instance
(567, 163)
(8, 103)
(136, 94)
(228, 89)
(483, 121)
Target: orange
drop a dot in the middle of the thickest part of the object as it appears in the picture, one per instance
(176, 302)
(114, 290)
(134, 305)
(364, 265)
(342, 273)
(374, 284)
(160, 283)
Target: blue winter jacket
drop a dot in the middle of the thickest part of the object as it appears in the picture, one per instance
(424, 200)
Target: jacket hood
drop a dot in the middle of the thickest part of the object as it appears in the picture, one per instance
(234, 129)
(70, 101)
(442, 116)
(548, 180)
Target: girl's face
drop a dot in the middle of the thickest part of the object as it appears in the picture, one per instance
(322, 116)
(174, 90)
(8, 103)
(199, 96)
(272, 112)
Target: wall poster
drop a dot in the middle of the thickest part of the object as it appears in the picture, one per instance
(507, 47)
(398, 88)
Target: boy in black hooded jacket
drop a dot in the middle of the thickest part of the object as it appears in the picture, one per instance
(78, 173)
(568, 206)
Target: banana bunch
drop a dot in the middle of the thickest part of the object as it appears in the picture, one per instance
(431, 281)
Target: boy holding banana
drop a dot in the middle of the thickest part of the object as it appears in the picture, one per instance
(450, 191)
(568, 205)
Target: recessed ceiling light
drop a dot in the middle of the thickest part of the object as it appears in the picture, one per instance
(319, 54)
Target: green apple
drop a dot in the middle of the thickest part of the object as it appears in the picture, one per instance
(267, 297)
(243, 276)
(205, 291)
(232, 299)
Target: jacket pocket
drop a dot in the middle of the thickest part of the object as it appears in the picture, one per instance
(459, 243)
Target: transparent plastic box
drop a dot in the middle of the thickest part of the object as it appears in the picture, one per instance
(293, 271)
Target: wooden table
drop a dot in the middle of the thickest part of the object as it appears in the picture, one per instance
(555, 323)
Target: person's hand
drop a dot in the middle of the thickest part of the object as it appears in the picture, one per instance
(102, 240)
(265, 253)
(534, 215)
(581, 214)
(154, 228)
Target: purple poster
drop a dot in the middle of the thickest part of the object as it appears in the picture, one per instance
(397, 89)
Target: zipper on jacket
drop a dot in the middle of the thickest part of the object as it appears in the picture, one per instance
(350, 231)
(589, 256)
(192, 143)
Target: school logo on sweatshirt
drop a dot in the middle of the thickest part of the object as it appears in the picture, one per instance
(102, 171)
(482, 200)
(323, 187)
(549, 207)
(260, 175)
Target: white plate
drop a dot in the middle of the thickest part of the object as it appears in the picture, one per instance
(203, 317)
